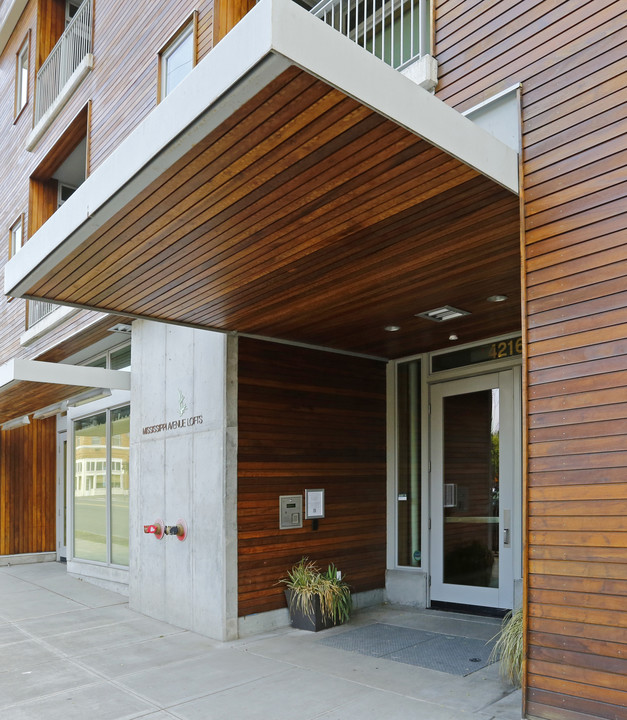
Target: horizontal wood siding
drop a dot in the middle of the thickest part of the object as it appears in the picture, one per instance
(28, 488)
(309, 419)
(570, 58)
(123, 90)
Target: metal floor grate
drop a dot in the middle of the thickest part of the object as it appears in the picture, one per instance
(452, 654)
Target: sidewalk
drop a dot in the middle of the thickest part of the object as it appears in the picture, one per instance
(72, 651)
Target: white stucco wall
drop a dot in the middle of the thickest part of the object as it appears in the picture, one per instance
(188, 472)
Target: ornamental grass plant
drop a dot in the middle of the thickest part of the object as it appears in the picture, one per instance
(306, 583)
(509, 648)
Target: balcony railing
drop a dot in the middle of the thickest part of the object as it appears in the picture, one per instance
(37, 310)
(396, 31)
(64, 59)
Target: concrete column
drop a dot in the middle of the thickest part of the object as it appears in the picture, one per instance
(184, 465)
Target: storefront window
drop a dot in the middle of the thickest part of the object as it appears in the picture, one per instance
(120, 444)
(90, 493)
(409, 465)
(101, 486)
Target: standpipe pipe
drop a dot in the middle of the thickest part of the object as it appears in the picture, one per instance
(157, 529)
(180, 529)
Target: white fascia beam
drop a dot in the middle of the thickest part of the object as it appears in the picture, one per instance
(320, 50)
(21, 370)
(10, 13)
(272, 36)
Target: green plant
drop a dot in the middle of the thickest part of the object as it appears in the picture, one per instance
(509, 648)
(307, 583)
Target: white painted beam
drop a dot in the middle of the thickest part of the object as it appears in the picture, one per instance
(18, 369)
(10, 13)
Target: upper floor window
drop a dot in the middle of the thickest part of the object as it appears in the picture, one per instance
(118, 358)
(21, 78)
(64, 192)
(61, 171)
(16, 237)
(177, 59)
(71, 8)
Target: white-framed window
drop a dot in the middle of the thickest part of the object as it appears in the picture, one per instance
(101, 441)
(16, 237)
(177, 60)
(71, 7)
(64, 193)
(21, 77)
(117, 358)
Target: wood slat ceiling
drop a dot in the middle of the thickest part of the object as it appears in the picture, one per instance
(83, 338)
(308, 217)
(24, 397)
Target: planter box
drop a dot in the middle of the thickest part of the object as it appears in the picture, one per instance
(307, 622)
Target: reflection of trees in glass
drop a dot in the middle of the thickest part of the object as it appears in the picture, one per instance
(494, 472)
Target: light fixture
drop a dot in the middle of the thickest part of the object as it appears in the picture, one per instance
(88, 396)
(442, 314)
(497, 298)
(50, 410)
(121, 328)
(15, 423)
(392, 328)
(453, 337)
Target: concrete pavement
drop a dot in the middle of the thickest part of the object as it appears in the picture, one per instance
(72, 651)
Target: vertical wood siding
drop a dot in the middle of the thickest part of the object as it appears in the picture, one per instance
(571, 60)
(309, 419)
(28, 488)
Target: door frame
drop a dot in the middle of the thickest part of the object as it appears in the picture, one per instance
(62, 491)
(503, 595)
(410, 585)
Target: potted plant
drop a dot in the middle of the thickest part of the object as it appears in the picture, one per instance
(316, 600)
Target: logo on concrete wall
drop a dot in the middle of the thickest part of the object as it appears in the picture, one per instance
(182, 404)
(182, 422)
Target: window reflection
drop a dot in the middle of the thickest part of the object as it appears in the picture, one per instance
(471, 490)
(90, 494)
(101, 486)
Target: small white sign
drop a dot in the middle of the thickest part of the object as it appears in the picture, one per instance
(314, 504)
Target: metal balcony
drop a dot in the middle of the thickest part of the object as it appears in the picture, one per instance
(38, 310)
(396, 31)
(64, 60)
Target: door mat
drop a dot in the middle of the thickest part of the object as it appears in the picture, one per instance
(451, 654)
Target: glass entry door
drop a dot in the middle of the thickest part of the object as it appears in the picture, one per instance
(472, 466)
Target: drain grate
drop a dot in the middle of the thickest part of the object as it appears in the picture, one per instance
(452, 654)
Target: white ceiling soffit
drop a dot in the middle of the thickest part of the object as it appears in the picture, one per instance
(19, 370)
(274, 35)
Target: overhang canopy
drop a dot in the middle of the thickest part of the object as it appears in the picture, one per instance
(28, 385)
(292, 186)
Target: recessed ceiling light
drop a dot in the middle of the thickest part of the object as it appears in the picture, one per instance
(497, 298)
(392, 328)
(442, 314)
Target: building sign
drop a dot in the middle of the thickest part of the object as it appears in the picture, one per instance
(173, 425)
(180, 422)
(512, 347)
